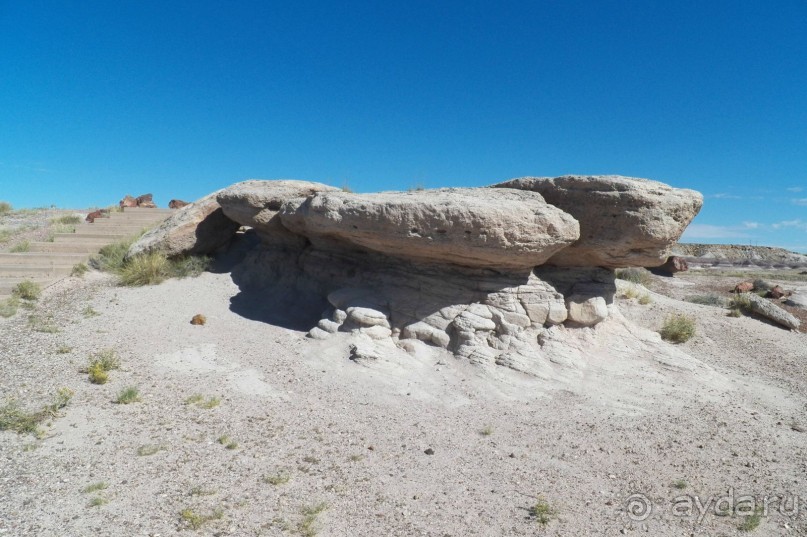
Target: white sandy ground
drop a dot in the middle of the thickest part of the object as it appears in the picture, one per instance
(618, 413)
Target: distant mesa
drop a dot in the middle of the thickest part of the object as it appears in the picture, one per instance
(482, 272)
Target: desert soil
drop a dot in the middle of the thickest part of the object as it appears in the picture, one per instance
(350, 440)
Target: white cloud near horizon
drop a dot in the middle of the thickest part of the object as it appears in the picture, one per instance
(709, 231)
(794, 189)
(799, 201)
(797, 223)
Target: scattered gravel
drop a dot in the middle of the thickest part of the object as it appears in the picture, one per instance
(324, 442)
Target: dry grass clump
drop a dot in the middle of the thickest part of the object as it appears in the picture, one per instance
(79, 270)
(308, 526)
(739, 305)
(27, 290)
(111, 258)
(678, 328)
(5, 207)
(148, 268)
(199, 400)
(277, 479)
(145, 269)
(21, 247)
(635, 275)
(14, 418)
(196, 520)
(8, 307)
(67, 220)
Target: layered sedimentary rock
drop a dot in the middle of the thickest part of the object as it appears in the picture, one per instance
(481, 272)
(624, 222)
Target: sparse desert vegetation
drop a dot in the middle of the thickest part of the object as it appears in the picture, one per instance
(637, 275)
(300, 429)
(542, 512)
(678, 328)
(100, 364)
(128, 395)
(27, 290)
(195, 520)
(14, 417)
(148, 268)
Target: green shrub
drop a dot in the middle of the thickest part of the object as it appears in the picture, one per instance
(5, 207)
(97, 374)
(645, 299)
(542, 512)
(27, 290)
(5, 236)
(128, 395)
(21, 247)
(111, 258)
(678, 328)
(101, 364)
(635, 275)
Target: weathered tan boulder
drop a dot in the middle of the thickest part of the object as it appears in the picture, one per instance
(586, 310)
(499, 229)
(255, 203)
(177, 204)
(624, 222)
(197, 228)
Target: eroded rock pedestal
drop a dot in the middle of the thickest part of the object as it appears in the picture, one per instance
(480, 272)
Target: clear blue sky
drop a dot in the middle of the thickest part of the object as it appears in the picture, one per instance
(100, 99)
